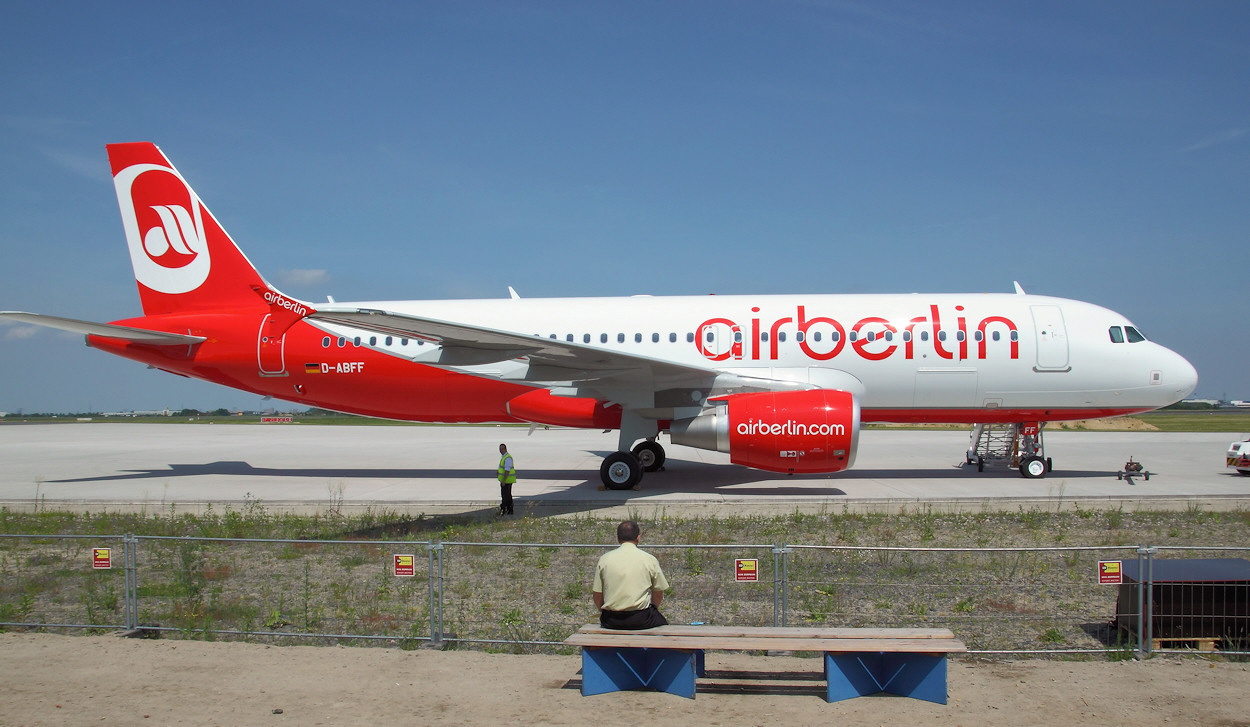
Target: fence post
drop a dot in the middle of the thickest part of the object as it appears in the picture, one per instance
(130, 560)
(435, 576)
(1145, 599)
(779, 584)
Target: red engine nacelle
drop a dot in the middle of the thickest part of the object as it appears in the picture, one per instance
(786, 431)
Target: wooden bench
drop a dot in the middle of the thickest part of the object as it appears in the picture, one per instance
(857, 662)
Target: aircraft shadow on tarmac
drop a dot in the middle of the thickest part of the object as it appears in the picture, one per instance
(679, 476)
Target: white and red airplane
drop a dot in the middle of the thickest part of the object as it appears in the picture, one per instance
(779, 382)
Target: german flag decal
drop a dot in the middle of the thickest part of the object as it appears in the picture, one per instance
(314, 368)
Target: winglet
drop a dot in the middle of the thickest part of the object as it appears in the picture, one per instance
(1019, 290)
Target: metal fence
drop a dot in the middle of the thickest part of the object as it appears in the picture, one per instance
(527, 596)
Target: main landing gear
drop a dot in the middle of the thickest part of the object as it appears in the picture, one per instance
(1016, 445)
(624, 470)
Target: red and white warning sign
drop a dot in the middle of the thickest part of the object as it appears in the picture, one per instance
(405, 565)
(101, 558)
(746, 570)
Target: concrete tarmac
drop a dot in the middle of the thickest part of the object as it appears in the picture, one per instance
(451, 469)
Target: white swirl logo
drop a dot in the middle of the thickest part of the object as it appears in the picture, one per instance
(172, 254)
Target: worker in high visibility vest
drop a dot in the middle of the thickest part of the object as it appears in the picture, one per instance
(507, 478)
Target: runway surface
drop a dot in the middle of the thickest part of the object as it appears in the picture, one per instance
(451, 469)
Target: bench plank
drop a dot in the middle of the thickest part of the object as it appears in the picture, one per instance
(763, 643)
(780, 632)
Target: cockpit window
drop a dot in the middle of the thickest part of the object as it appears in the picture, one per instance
(1117, 334)
(1133, 335)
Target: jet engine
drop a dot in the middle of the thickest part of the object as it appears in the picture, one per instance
(783, 431)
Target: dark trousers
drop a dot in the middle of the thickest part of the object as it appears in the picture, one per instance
(647, 618)
(505, 498)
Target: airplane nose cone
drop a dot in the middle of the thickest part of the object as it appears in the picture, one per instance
(1181, 376)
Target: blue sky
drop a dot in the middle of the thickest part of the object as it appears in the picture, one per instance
(365, 150)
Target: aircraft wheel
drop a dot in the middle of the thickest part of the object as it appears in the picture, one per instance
(980, 464)
(1050, 465)
(650, 455)
(1033, 467)
(620, 471)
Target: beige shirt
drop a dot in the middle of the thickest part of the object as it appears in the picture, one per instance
(626, 576)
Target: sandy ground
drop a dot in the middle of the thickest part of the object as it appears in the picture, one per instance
(58, 680)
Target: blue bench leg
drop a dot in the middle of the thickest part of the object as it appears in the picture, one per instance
(606, 669)
(920, 676)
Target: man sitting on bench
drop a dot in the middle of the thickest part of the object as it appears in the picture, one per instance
(629, 584)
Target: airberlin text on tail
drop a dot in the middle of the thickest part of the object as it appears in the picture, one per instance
(183, 260)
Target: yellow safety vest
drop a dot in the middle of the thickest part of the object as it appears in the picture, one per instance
(507, 476)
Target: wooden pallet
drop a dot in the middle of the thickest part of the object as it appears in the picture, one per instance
(1204, 643)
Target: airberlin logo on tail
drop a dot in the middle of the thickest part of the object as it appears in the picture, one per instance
(164, 223)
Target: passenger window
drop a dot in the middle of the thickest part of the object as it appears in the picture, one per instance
(373, 340)
(655, 338)
(390, 340)
(1117, 335)
(1133, 335)
(325, 342)
(781, 336)
(689, 338)
(620, 338)
(585, 338)
(342, 341)
(603, 338)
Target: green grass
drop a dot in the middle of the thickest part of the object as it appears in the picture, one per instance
(1199, 421)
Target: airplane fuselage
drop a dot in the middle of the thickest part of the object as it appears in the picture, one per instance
(909, 358)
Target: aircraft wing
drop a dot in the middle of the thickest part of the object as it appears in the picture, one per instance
(106, 330)
(555, 364)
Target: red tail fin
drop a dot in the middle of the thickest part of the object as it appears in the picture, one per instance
(183, 260)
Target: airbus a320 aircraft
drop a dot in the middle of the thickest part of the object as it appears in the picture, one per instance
(779, 382)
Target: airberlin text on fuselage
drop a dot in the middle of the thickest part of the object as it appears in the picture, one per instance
(822, 338)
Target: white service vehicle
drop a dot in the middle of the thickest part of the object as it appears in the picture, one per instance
(1239, 457)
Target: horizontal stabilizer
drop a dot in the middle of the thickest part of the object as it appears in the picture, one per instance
(105, 330)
